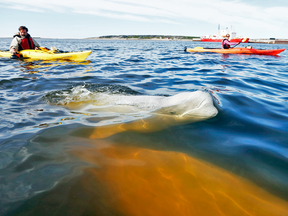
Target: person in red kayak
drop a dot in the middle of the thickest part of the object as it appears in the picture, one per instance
(22, 40)
(226, 44)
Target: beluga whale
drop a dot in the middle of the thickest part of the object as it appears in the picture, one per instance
(114, 113)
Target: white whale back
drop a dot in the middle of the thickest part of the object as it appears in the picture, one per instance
(186, 105)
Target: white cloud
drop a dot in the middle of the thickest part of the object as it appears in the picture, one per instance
(234, 12)
(206, 10)
(23, 7)
(168, 21)
(123, 16)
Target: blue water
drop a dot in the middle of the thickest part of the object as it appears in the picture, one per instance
(247, 137)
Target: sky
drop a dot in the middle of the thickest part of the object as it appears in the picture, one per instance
(92, 18)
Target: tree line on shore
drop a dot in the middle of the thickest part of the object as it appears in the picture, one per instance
(170, 37)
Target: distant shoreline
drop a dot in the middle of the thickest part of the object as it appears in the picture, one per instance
(160, 38)
(178, 38)
(263, 41)
(144, 37)
(136, 39)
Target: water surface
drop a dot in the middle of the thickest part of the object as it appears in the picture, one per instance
(71, 145)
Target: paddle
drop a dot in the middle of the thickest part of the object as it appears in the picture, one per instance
(16, 56)
(244, 39)
(51, 50)
(185, 49)
(45, 49)
(236, 45)
(20, 56)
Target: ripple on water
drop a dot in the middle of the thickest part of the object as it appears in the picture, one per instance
(47, 134)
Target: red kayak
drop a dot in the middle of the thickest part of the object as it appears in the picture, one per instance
(236, 51)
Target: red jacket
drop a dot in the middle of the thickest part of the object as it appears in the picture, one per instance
(27, 43)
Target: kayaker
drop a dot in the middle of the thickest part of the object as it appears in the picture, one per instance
(22, 40)
(226, 44)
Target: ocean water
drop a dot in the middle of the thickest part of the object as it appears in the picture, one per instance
(144, 128)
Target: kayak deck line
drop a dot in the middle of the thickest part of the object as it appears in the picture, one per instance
(236, 50)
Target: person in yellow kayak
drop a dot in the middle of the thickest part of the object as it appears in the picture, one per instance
(226, 44)
(22, 40)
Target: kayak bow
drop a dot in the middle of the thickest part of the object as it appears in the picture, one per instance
(47, 55)
(236, 51)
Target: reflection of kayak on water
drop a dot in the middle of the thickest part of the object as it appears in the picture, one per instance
(249, 50)
(45, 54)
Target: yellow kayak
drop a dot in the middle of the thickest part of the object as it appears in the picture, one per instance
(49, 55)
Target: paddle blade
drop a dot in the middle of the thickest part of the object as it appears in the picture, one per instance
(245, 40)
(16, 56)
(44, 49)
(51, 50)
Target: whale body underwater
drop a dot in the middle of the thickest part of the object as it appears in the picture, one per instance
(108, 114)
(183, 106)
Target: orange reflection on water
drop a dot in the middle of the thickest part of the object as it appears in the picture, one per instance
(147, 182)
(140, 126)
(29, 65)
(148, 125)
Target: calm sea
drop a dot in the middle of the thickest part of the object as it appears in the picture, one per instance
(111, 135)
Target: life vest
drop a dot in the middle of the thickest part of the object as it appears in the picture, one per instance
(225, 46)
(26, 43)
